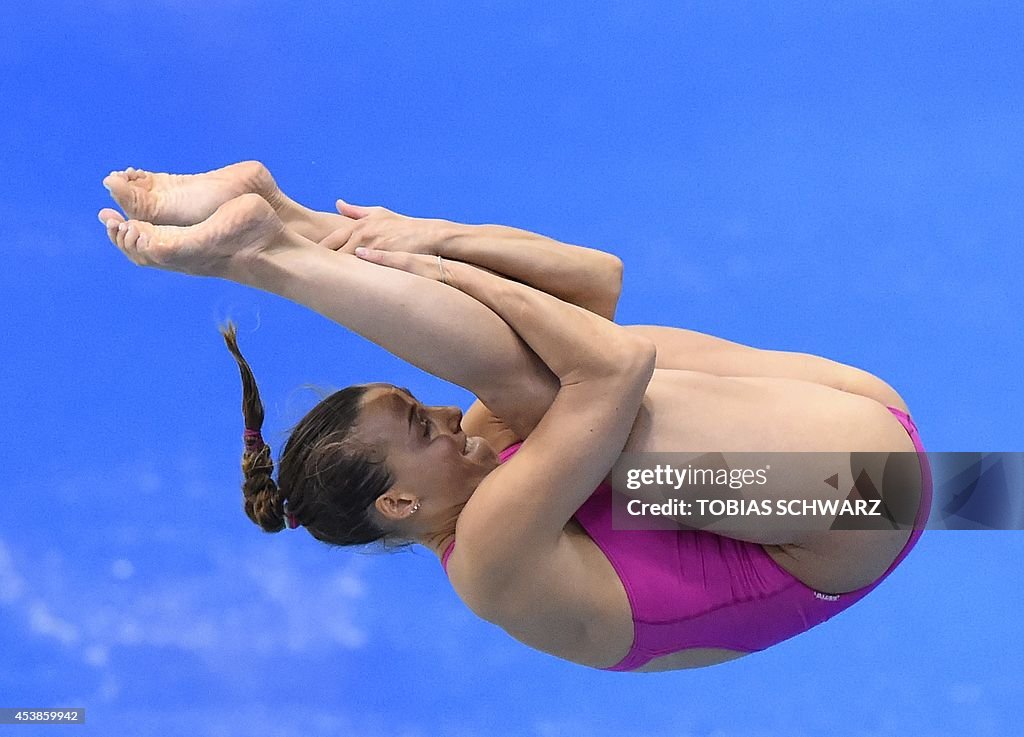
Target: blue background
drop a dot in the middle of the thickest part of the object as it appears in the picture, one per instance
(839, 178)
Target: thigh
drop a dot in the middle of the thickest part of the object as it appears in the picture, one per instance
(680, 348)
(815, 444)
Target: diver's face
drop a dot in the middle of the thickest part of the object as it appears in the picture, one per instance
(426, 449)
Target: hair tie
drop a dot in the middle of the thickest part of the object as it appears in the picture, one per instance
(253, 439)
(290, 519)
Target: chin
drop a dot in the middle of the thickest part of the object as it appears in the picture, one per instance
(480, 451)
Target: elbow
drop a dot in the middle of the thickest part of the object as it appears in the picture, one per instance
(626, 360)
(635, 358)
(647, 359)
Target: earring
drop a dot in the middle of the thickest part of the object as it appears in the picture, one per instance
(415, 507)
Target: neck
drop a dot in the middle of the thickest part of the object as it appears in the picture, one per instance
(440, 530)
(442, 534)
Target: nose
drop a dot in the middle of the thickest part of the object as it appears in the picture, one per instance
(453, 416)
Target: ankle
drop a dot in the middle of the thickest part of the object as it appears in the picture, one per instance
(310, 224)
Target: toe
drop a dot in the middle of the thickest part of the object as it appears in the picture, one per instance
(130, 197)
(111, 219)
(111, 180)
(117, 185)
(131, 236)
(107, 214)
(117, 235)
(112, 231)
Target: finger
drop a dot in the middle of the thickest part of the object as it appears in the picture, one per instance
(337, 240)
(424, 266)
(391, 259)
(352, 211)
(373, 255)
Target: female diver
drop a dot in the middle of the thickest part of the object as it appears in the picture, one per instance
(514, 496)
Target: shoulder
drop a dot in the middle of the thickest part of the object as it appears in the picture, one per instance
(505, 590)
(479, 579)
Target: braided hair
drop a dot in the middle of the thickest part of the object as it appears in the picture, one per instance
(327, 478)
(264, 501)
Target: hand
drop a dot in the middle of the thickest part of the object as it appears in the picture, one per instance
(384, 230)
(429, 267)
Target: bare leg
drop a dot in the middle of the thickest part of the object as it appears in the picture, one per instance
(245, 241)
(435, 327)
(176, 199)
(824, 431)
(689, 350)
(188, 199)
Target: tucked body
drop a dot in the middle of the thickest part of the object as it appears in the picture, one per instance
(525, 323)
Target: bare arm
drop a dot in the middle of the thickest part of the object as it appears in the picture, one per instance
(442, 331)
(603, 369)
(582, 276)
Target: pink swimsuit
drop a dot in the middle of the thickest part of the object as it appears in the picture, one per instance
(692, 589)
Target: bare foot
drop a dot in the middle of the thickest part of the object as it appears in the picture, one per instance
(237, 230)
(187, 199)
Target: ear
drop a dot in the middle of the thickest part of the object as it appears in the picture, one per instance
(395, 505)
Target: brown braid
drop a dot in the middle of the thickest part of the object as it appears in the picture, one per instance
(328, 479)
(264, 501)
